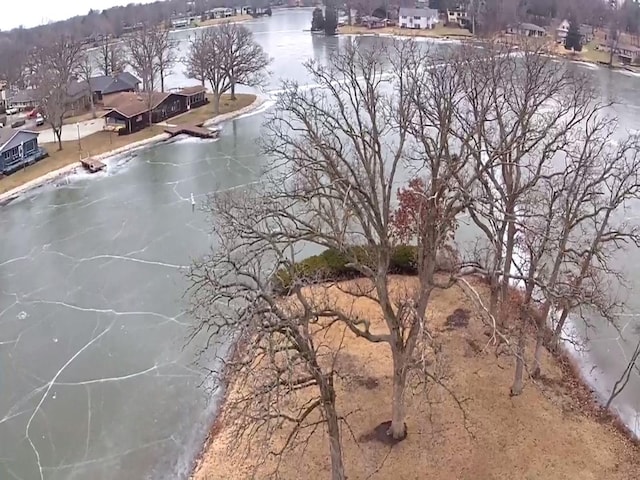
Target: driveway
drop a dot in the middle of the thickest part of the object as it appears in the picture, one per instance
(70, 132)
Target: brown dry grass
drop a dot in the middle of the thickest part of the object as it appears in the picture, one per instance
(438, 32)
(94, 144)
(539, 435)
(204, 113)
(103, 142)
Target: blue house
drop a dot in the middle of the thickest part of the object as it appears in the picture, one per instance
(18, 148)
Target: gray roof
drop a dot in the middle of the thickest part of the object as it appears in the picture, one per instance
(121, 82)
(418, 12)
(21, 96)
(531, 26)
(6, 134)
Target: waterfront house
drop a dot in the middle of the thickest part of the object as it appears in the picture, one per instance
(128, 112)
(18, 148)
(526, 30)
(104, 85)
(421, 18)
(192, 97)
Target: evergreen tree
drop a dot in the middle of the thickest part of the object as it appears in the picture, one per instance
(330, 20)
(573, 39)
(317, 20)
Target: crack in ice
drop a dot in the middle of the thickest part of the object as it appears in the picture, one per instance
(118, 257)
(48, 389)
(110, 311)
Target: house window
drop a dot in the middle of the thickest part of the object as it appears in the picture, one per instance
(29, 147)
(417, 17)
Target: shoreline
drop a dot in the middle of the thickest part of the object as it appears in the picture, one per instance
(396, 32)
(15, 193)
(574, 380)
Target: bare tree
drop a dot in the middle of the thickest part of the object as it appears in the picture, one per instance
(56, 60)
(197, 59)
(623, 381)
(111, 57)
(143, 55)
(165, 48)
(544, 157)
(339, 152)
(570, 233)
(246, 60)
(209, 50)
(283, 371)
(85, 74)
(226, 55)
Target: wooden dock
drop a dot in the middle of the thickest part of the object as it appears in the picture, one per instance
(92, 164)
(191, 130)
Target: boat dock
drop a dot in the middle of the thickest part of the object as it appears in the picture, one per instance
(191, 130)
(92, 164)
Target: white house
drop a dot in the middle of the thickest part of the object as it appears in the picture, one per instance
(526, 30)
(562, 30)
(457, 16)
(424, 18)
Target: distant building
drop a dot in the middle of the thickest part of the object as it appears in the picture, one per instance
(586, 32)
(22, 99)
(457, 16)
(373, 22)
(105, 85)
(422, 18)
(527, 30)
(183, 22)
(3, 94)
(18, 148)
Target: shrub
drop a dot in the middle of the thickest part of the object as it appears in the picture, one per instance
(333, 264)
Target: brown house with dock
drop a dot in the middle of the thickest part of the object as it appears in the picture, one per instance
(130, 112)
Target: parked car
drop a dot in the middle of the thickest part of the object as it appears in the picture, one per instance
(18, 124)
(39, 120)
(12, 111)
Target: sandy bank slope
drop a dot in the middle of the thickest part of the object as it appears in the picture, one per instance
(541, 435)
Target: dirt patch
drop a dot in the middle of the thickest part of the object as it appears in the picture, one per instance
(543, 434)
(381, 435)
(458, 319)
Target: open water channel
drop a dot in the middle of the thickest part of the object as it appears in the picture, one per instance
(95, 379)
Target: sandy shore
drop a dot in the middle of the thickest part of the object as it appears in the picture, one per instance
(549, 432)
(71, 168)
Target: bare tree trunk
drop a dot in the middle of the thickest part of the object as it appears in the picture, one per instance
(333, 428)
(58, 134)
(518, 381)
(398, 429)
(537, 355)
(622, 382)
(557, 332)
(91, 102)
(233, 89)
(216, 103)
(162, 80)
(506, 266)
